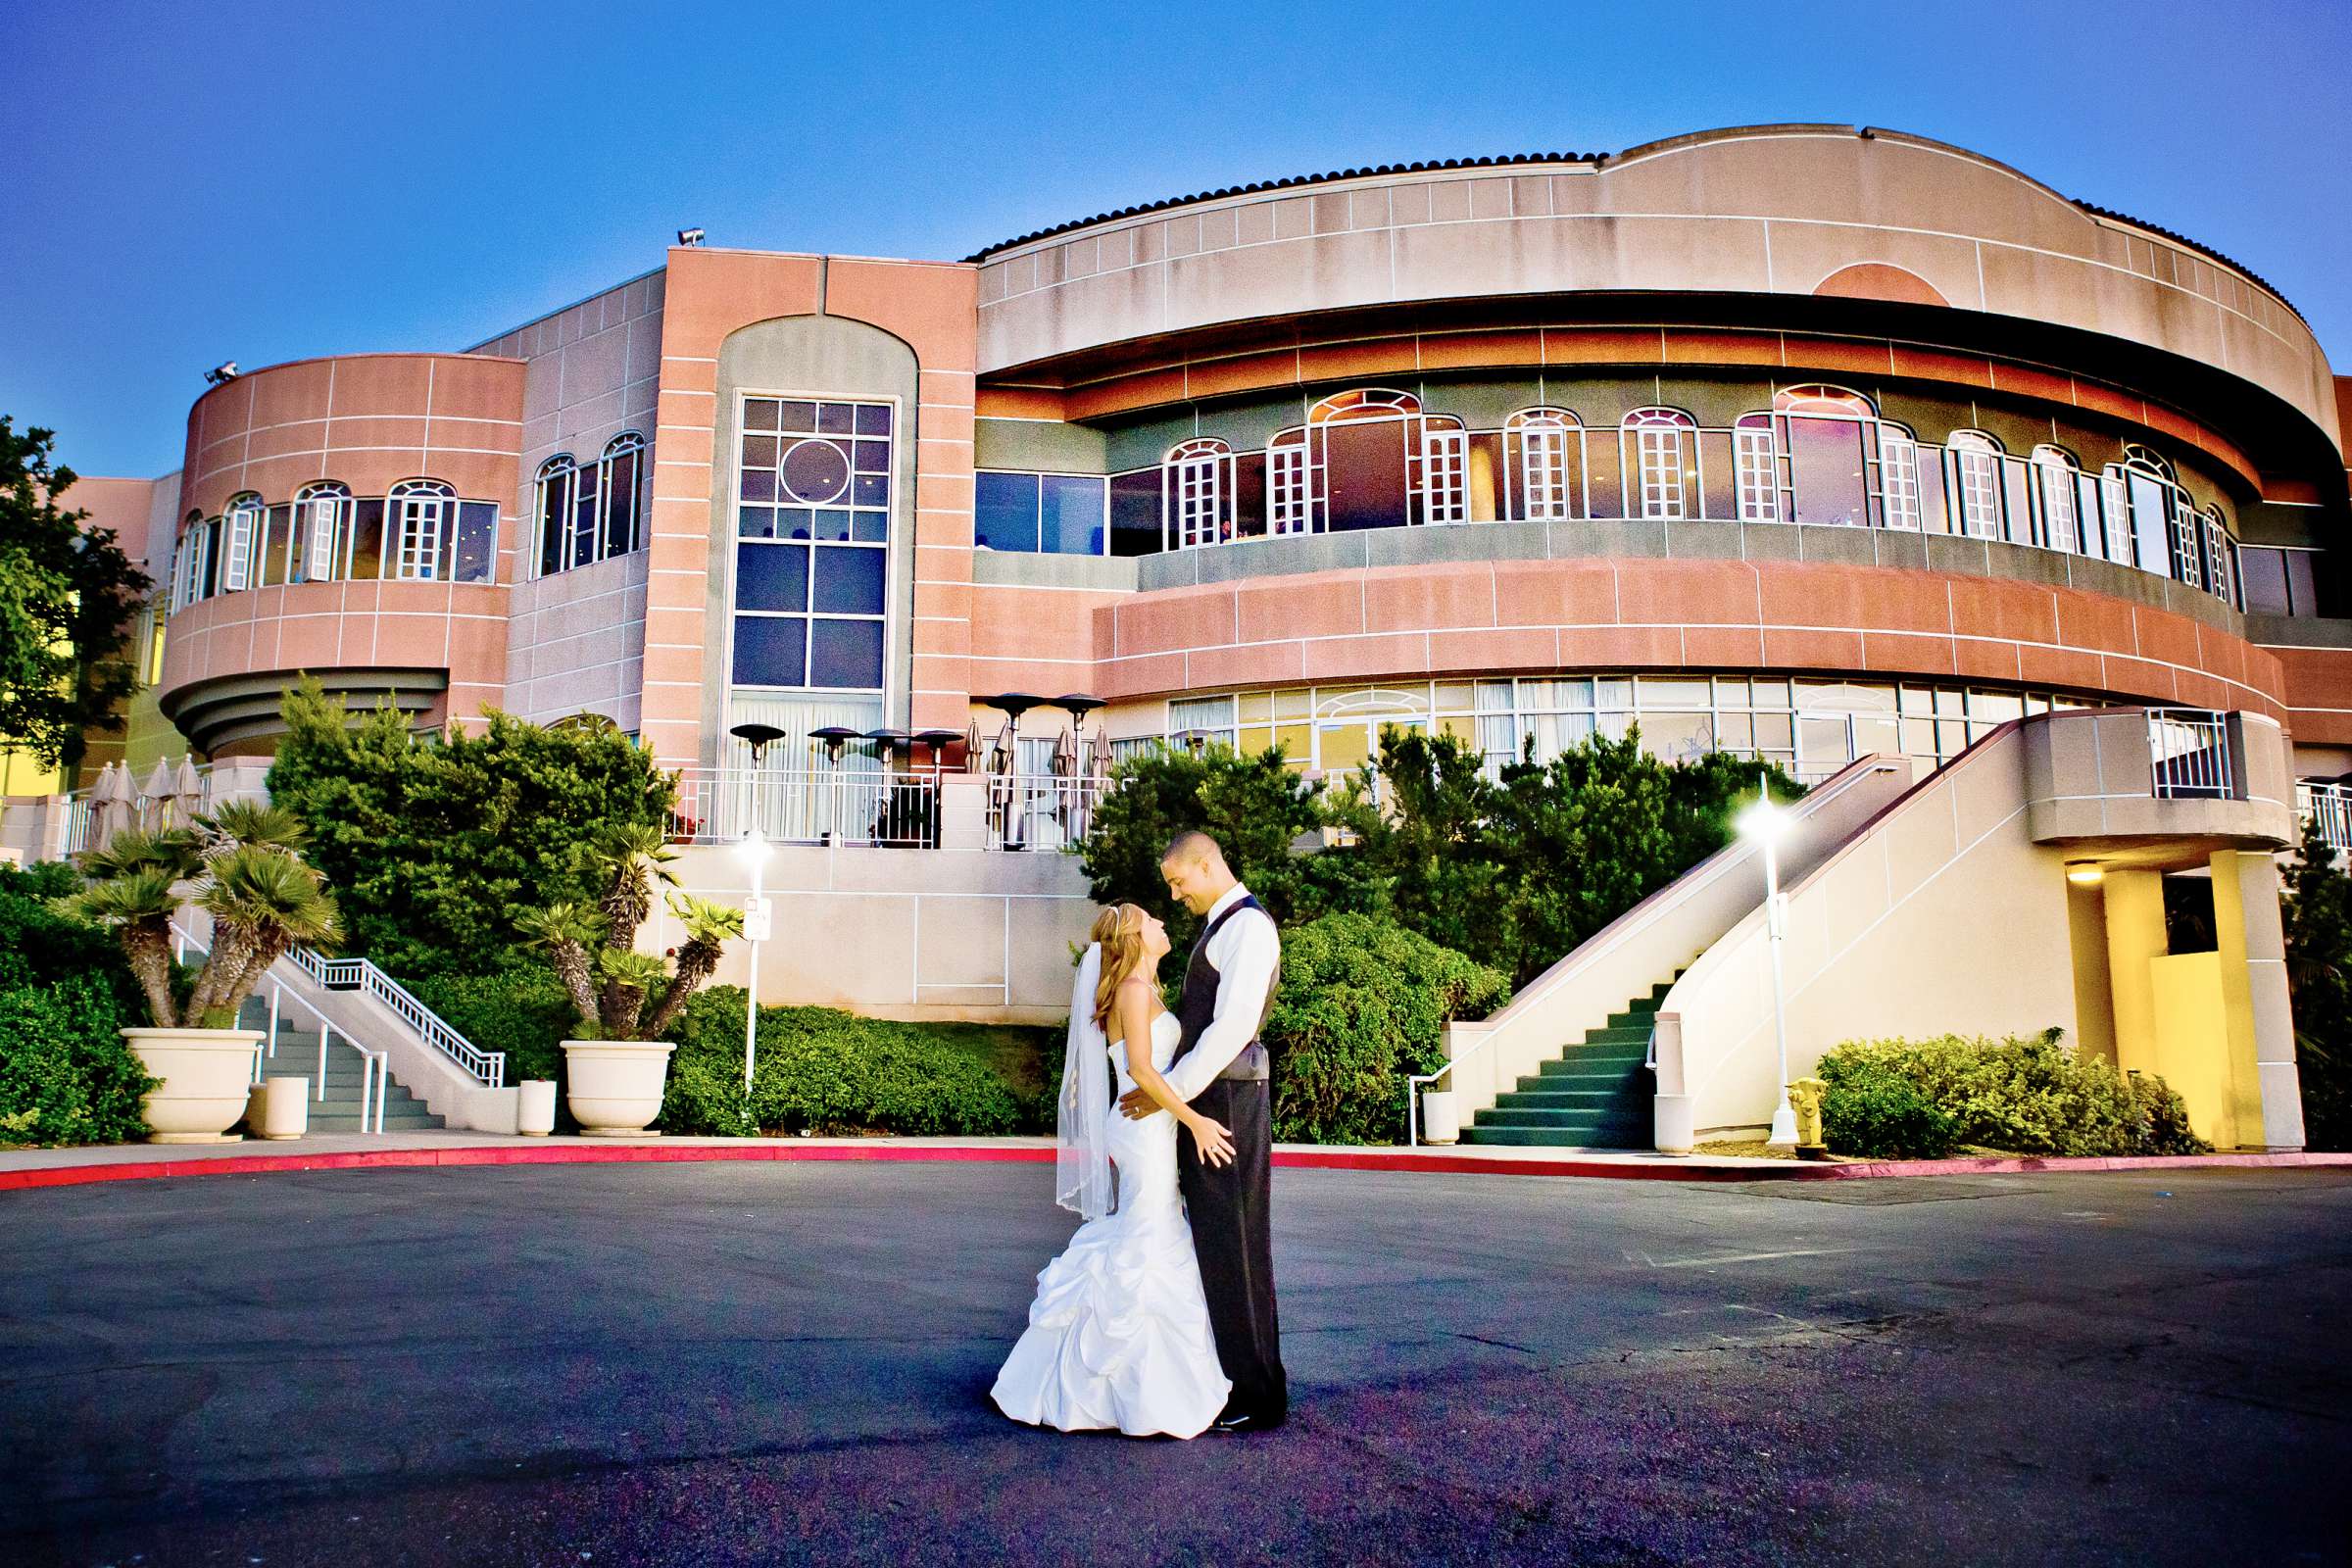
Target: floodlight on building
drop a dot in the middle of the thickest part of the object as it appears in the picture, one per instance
(690, 236)
(2086, 873)
(222, 373)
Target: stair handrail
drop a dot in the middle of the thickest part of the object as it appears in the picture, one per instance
(1621, 929)
(361, 974)
(376, 1066)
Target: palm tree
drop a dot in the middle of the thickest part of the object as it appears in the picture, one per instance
(633, 857)
(708, 927)
(139, 905)
(567, 931)
(263, 902)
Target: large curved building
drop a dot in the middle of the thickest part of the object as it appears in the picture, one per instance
(1799, 439)
(1805, 442)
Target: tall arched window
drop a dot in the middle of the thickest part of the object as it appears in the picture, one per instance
(322, 514)
(421, 512)
(1662, 459)
(187, 563)
(1828, 439)
(1544, 462)
(1199, 478)
(1977, 482)
(2221, 578)
(1290, 497)
(1367, 458)
(2115, 511)
(621, 478)
(243, 536)
(1898, 475)
(1756, 468)
(1443, 485)
(2160, 537)
(558, 476)
(2055, 478)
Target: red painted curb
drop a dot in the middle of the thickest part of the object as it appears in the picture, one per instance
(1379, 1160)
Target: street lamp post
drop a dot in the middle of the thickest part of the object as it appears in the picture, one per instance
(754, 850)
(1767, 824)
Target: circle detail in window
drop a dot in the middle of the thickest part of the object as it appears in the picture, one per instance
(815, 471)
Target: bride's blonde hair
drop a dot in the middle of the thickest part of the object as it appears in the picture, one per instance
(1119, 930)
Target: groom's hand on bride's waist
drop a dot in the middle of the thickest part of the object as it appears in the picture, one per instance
(1137, 1105)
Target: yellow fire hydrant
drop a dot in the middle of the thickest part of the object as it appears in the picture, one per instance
(1804, 1095)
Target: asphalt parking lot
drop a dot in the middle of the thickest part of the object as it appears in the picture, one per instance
(775, 1362)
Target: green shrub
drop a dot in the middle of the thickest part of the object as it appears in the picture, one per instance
(2315, 910)
(63, 1063)
(1877, 1113)
(523, 1013)
(66, 1076)
(1362, 1003)
(825, 1071)
(2025, 1095)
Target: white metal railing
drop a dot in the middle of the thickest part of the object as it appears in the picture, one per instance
(357, 974)
(824, 806)
(2331, 806)
(2189, 749)
(375, 1070)
(1040, 810)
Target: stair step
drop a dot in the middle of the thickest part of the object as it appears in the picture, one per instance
(1553, 1083)
(1572, 1098)
(1580, 1063)
(1555, 1138)
(1636, 1033)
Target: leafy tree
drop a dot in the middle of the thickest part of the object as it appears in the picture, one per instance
(1252, 806)
(2317, 913)
(67, 598)
(440, 848)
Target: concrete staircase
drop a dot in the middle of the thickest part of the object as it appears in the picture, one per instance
(296, 1057)
(1595, 1093)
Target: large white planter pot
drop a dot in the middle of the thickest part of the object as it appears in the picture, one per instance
(279, 1108)
(535, 1106)
(205, 1073)
(616, 1085)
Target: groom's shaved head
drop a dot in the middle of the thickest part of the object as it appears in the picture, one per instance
(1191, 846)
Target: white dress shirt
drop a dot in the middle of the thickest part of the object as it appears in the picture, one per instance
(1245, 953)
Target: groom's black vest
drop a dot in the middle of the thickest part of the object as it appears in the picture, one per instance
(1197, 1007)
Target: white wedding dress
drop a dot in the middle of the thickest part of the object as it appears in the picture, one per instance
(1118, 1336)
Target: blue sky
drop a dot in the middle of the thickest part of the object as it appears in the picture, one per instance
(267, 181)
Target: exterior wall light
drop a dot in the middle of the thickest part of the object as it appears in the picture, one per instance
(2086, 873)
(690, 236)
(222, 374)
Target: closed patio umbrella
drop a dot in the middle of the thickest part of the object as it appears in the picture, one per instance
(155, 796)
(187, 791)
(110, 804)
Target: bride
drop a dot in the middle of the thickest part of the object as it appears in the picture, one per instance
(1118, 1336)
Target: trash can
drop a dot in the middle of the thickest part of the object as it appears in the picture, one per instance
(1441, 1121)
(279, 1107)
(535, 1106)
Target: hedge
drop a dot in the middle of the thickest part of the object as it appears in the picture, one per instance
(821, 1070)
(1362, 1003)
(66, 1076)
(2023, 1095)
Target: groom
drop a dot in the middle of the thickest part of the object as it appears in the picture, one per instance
(1221, 1070)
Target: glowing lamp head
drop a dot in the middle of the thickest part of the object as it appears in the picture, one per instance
(753, 847)
(2086, 873)
(1763, 822)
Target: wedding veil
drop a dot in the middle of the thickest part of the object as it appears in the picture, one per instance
(1082, 1173)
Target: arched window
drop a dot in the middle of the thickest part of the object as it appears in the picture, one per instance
(1543, 462)
(243, 537)
(2162, 537)
(1756, 467)
(1289, 495)
(1367, 458)
(1977, 482)
(1828, 451)
(2221, 575)
(1199, 478)
(2056, 480)
(1443, 487)
(622, 477)
(1898, 475)
(187, 565)
(1662, 455)
(322, 533)
(420, 514)
(557, 477)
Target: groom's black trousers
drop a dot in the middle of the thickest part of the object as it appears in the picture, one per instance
(1229, 1208)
